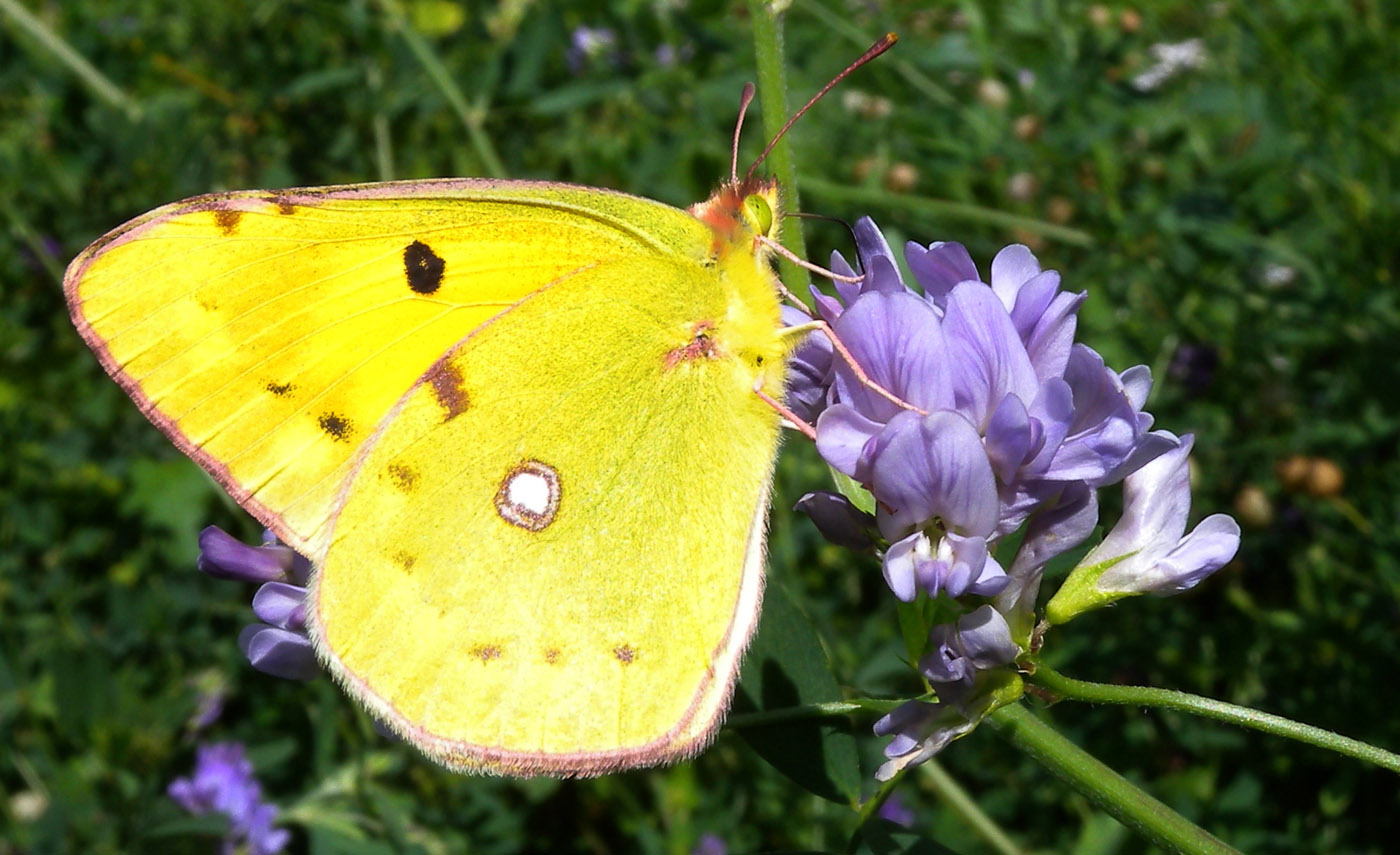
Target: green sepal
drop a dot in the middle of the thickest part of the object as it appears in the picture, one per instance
(851, 489)
(1080, 592)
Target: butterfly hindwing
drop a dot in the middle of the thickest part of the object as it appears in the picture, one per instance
(549, 558)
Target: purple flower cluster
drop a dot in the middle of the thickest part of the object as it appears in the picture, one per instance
(1002, 421)
(279, 645)
(223, 783)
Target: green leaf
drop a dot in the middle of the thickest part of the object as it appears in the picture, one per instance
(786, 667)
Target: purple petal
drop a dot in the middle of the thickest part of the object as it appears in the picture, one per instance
(1105, 429)
(898, 341)
(223, 556)
(989, 361)
(934, 466)
(1206, 549)
(846, 291)
(1051, 338)
(809, 369)
(873, 249)
(1014, 266)
(1137, 385)
(991, 581)
(844, 438)
(1053, 412)
(279, 652)
(1009, 438)
(1051, 532)
(1156, 501)
(281, 605)
(901, 562)
(939, 268)
(986, 639)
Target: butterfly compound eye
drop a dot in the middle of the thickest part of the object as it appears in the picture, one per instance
(759, 214)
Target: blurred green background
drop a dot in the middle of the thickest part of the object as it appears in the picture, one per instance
(1234, 219)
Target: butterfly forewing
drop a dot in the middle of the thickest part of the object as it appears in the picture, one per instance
(269, 333)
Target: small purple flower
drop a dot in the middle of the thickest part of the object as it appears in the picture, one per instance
(1146, 552)
(1003, 423)
(965, 669)
(895, 810)
(223, 782)
(710, 844)
(279, 645)
(587, 44)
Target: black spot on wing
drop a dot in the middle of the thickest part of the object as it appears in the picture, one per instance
(281, 390)
(335, 426)
(423, 267)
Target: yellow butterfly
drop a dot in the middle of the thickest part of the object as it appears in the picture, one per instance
(514, 425)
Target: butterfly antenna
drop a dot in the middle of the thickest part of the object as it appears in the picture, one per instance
(884, 44)
(850, 230)
(744, 101)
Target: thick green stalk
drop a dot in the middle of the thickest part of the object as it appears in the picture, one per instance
(1142, 696)
(772, 99)
(1109, 790)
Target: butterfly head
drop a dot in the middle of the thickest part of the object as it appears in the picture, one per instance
(742, 212)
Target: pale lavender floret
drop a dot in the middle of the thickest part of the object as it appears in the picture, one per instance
(710, 844)
(1158, 559)
(979, 641)
(896, 811)
(1108, 425)
(279, 652)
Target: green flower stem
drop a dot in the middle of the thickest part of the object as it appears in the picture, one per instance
(1142, 696)
(76, 62)
(804, 712)
(960, 802)
(1106, 788)
(943, 209)
(472, 117)
(772, 99)
(871, 806)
